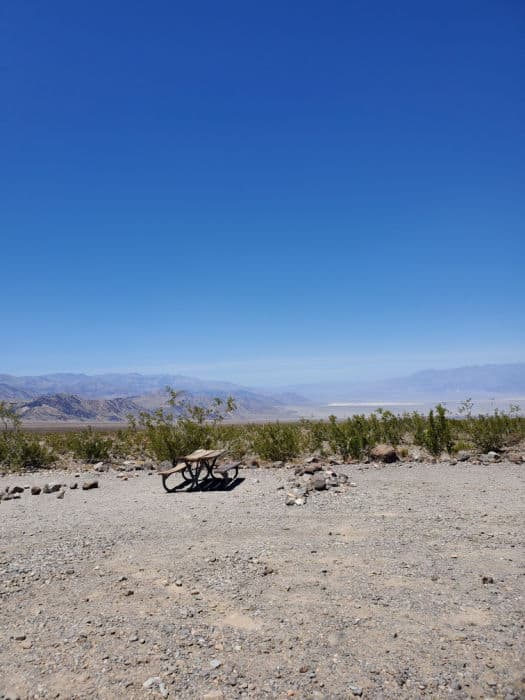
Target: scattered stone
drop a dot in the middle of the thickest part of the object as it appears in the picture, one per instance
(88, 485)
(318, 482)
(384, 453)
(17, 489)
(52, 488)
(156, 683)
(487, 579)
(100, 467)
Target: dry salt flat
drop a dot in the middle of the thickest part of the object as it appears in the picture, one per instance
(407, 581)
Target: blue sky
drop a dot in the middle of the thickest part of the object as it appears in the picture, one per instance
(261, 192)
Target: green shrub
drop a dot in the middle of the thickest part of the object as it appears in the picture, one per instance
(30, 453)
(435, 434)
(90, 445)
(489, 432)
(19, 450)
(352, 437)
(169, 435)
(277, 442)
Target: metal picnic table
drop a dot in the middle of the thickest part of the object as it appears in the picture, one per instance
(197, 468)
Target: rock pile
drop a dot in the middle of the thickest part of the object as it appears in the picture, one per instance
(311, 478)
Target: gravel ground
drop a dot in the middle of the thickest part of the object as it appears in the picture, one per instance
(375, 591)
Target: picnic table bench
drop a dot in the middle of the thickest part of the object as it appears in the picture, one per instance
(197, 468)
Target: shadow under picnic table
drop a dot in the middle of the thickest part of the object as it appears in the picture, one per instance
(211, 484)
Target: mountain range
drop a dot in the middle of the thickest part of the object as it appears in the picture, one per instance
(109, 398)
(482, 382)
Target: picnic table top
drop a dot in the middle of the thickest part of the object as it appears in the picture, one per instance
(200, 455)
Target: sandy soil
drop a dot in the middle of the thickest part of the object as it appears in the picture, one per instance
(376, 591)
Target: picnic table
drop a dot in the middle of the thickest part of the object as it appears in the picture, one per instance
(198, 468)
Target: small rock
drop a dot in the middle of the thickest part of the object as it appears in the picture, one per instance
(60, 494)
(35, 490)
(355, 690)
(100, 467)
(384, 453)
(487, 579)
(73, 485)
(155, 682)
(318, 482)
(215, 663)
(52, 488)
(87, 485)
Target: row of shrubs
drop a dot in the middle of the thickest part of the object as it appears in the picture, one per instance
(169, 433)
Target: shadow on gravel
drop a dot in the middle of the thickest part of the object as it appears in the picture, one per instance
(210, 485)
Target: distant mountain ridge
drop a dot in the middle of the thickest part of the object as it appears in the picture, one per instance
(67, 407)
(112, 397)
(104, 385)
(458, 383)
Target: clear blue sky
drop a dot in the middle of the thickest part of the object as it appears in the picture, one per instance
(267, 192)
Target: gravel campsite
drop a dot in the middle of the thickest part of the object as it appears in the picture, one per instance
(395, 581)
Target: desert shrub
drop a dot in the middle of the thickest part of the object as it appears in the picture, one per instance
(129, 442)
(385, 426)
(28, 453)
(277, 441)
(434, 433)
(90, 445)
(352, 437)
(490, 432)
(315, 435)
(462, 445)
(169, 435)
(19, 450)
(236, 439)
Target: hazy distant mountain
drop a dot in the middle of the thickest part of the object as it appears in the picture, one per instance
(105, 385)
(458, 383)
(112, 397)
